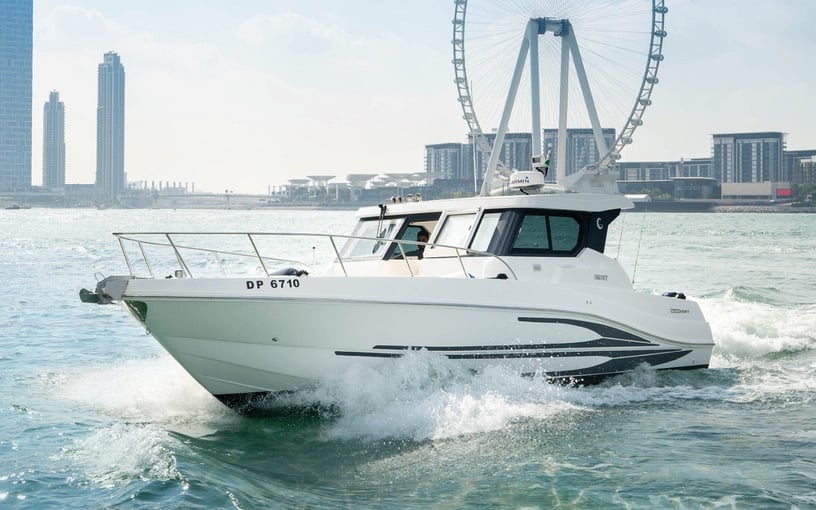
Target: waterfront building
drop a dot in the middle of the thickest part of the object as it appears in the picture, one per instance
(662, 170)
(794, 161)
(748, 157)
(16, 50)
(110, 128)
(694, 167)
(582, 150)
(446, 161)
(640, 171)
(516, 153)
(805, 171)
(54, 142)
(706, 188)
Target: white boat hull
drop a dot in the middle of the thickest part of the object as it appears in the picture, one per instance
(236, 337)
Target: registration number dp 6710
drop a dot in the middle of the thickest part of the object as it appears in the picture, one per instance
(283, 283)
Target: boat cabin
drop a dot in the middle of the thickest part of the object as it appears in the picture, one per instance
(560, 225)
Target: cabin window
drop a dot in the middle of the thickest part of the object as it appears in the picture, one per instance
(412, 226)
(484, 234)
(545, 234)
(409, 249)
(533, 234)
(564, 231)
(372, 229)
(455, 230)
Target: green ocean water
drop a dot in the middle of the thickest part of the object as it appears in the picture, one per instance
(93, 414)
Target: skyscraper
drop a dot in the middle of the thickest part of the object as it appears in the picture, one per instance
(16, 46)
(110, 128)
(54, 142)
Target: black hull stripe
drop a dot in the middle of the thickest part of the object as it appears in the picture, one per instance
(601, 329)
(621, 365)
(369, 354)
(550, 354)
(600, 342)
(641, 355)
(609, 337)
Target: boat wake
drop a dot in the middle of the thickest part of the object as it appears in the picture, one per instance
(122, 453)
(747, 329)
(427, 397)
(151, 390)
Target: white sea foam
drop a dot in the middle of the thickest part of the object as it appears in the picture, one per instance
(154, 390)
(426, 396)
(755, 337)
(752, 330)
(123, 452)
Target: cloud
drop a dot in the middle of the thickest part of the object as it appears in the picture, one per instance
(70, 28)
(291, 31)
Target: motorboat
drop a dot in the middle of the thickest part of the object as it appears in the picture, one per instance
(517, 280)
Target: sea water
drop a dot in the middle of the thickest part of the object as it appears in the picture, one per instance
(94, 414)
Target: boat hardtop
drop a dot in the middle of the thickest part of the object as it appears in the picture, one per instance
(576, 202)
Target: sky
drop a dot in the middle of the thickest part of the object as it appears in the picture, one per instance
(244, 95)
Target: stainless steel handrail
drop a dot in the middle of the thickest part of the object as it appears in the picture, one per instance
(143, 242)
(134, 237)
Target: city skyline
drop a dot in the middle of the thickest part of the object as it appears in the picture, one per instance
(242, 97)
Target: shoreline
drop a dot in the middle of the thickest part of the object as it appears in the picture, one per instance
(773, 209)
(656, 207)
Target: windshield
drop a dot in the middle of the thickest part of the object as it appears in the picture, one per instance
(371, 229)
(546, 234)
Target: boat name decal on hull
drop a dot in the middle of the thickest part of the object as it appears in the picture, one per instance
(283, 283)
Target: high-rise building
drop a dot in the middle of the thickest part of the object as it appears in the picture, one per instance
(748, 157)
(446, 161)
(582, 150)
(16, 46)
(110, 128)
(54, 142)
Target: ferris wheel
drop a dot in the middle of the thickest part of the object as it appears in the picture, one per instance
(531, 65)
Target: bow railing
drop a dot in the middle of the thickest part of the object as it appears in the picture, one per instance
(149, 253)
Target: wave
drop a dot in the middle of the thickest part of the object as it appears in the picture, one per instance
(771, 295)
(752, 330)
(152, 390)
(125, 452)
(427, 397)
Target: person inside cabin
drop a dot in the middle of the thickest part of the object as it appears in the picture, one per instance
(422, 237)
